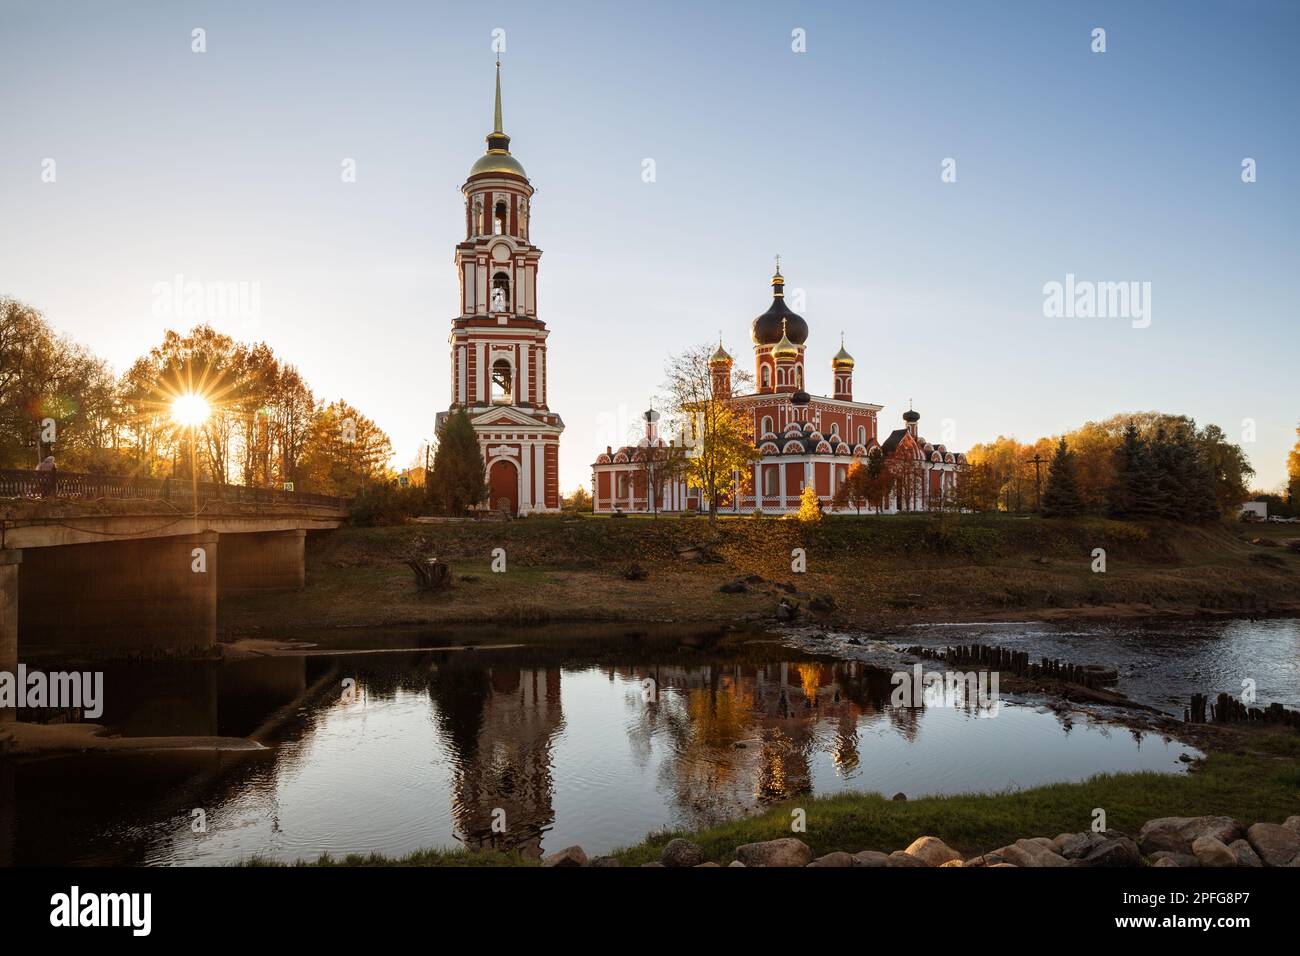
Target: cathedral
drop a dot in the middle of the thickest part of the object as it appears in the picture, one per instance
(800, 439)
(498, 343)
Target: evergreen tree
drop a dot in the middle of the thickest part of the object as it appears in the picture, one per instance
(458, 479)
(1124, 491)
(1061, 497)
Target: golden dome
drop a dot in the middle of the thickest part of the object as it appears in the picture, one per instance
(497, 161)
(720, 356)
(842, 358)
(785, 348)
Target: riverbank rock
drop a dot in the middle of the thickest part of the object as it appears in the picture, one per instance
(1177, 834)
(605, 861)
(636, 573)
(787, 611)
(838, 858)
(1036, 852)
(1292, 823)
(822, 604)
(681, 852)
(1245, 855)
(1075, 846)
(902, 858)
(569, 856)
(932, 851)
(1276, 844)
(871, 858)
(1212, 852)
(786, 851)
(1120, 851)
(734, 587)
(735, 863)
(1170, 858)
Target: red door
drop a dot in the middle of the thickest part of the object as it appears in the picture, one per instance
(504, 482)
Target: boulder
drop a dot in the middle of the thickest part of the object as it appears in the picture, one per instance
(902, 858)
(838, 858)
(681, 852)
(1245, 855)
(569, 856)
(1074, 846)
(606, 861)
(871, 858)
(1165, 861)
(736, 863)
(655, 863)
(899, 796)
(932, 851)
(1176, 834)
(1029, 853)
(734, 587)
(1120, 851)
(1276, 845)
(786, 851)
(1292, 823)
(1212, 852)
(953, 863)
(710, 863)
(1012, 865)
(1170, 858)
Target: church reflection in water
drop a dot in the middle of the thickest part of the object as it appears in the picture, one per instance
(523, 746)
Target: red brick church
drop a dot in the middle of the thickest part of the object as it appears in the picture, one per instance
(801, 439)
(498, 342)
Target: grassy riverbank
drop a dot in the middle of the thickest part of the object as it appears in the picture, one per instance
(881, 571)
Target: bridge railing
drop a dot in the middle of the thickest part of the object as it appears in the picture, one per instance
(61, 484)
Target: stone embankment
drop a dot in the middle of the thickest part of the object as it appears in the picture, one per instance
(1166, 841)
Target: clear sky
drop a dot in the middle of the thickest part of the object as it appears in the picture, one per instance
(1117, 166)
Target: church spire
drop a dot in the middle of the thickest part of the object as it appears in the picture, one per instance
(496, 127)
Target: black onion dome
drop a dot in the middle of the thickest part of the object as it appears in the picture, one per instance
(767, 330)
(911, 416)
(800, 398)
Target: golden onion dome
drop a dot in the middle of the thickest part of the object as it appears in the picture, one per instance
(785, 348)
(720, 356)
(842, 358)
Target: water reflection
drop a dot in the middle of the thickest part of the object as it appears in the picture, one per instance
(527, 748)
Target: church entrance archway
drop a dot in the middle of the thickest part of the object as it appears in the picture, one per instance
(503, 480)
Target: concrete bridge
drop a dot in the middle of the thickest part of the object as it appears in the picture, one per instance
(116, 566)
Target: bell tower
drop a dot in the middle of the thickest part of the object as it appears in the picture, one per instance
(498, 342)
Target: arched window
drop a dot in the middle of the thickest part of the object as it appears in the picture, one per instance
(767, 425)
(835, 429)
(862, 434)
(500, 292)
(502, 382)
(798, 376)
(499, 218)
(769, 481)
(841, 472)
(780, 376)
(766, 376)
(622, 484)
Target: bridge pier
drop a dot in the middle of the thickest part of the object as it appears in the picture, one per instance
(253, 563)
(136, 596)
(9, 562)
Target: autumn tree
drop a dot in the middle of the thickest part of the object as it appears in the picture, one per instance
(810, 506)
(342, 451)
(718, 438)
(1293, 471)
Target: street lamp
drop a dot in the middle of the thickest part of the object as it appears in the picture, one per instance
(190, 410)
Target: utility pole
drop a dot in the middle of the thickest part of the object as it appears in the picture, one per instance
(1038, 461)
